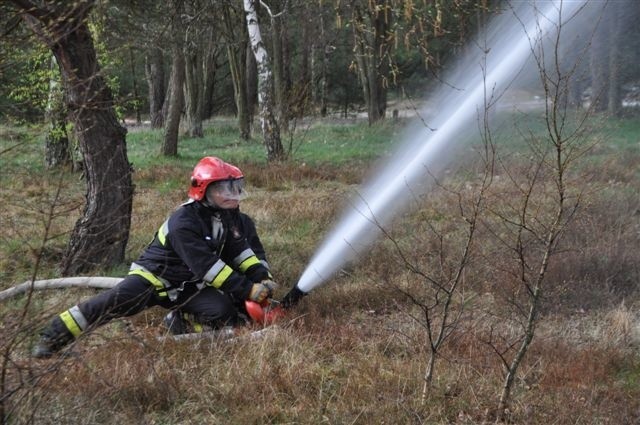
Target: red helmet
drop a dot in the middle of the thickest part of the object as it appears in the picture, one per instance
(208, 170)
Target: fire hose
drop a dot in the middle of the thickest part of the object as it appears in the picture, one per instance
(266, 313)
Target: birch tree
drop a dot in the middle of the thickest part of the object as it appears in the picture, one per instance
(268, 121)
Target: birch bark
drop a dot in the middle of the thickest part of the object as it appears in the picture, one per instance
(268, 121)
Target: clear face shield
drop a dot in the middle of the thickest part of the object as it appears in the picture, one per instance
(226, 191)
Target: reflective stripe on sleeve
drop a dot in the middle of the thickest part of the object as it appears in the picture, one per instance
(163, 231)
(246, 259)
(247, 253)
(74, 321)
(218, 274)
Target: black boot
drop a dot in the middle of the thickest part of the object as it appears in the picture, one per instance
(50, 344)
(176, 323)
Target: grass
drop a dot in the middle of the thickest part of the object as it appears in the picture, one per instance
(354, 350)
(312, 145)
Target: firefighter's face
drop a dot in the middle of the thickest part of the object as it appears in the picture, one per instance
(223, 202)
(226, 194)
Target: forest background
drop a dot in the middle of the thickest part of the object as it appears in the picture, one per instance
(105, 107)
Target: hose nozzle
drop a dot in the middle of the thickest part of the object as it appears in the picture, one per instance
(292, 297)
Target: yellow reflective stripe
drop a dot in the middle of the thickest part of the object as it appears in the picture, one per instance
(163, 231)
(224, 274)
(217, 274)
(190, 318)
(243, 256)
(251, 261)
(78, 317)
(158, 285)
(70, 323)
(214, 270)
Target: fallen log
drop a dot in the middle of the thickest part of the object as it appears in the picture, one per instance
(99, 282)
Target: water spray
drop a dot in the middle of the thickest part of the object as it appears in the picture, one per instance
(512, 38)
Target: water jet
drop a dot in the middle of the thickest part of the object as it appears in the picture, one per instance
(508, 45)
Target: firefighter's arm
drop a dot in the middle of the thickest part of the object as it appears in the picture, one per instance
(251, 234)
(197, 253)
(248, 263)
(255, 271)
(206, 265)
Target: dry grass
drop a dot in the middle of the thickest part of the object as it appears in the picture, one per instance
(341, 368)
(353, 352)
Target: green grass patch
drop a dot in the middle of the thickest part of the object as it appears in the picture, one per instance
(317, 144)
(341, 144)
(628, 373)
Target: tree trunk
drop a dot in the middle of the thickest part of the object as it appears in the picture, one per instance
(237, 56)
(194, 93)
(210, 69)
(238, 75)
(514, 366)
(100, 236)
(281, 68)
(278, 71)
(57, 152)
(252, 82)
(575, 89)
(196, 40)
(616, 18)
(176, 83)
(176, 102)
(305, 73)
(324, 71)
(371, 49)
(154, 70)
(286, 59)
(134, 77)
(600, 68)
(319, 66)
(363, 58)
(313, 65)
(270, 128)
(380, 68)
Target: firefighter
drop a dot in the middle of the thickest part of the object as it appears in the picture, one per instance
(200, 264)
(179, 322)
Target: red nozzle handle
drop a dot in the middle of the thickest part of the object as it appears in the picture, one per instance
(264, 314)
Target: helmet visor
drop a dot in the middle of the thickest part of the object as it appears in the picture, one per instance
(227, 189)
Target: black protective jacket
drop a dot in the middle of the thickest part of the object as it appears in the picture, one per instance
(201, 244)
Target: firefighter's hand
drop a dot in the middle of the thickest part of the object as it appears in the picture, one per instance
(260, 292)
(270, 284)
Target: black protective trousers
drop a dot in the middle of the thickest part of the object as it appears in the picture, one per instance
(134, 294)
